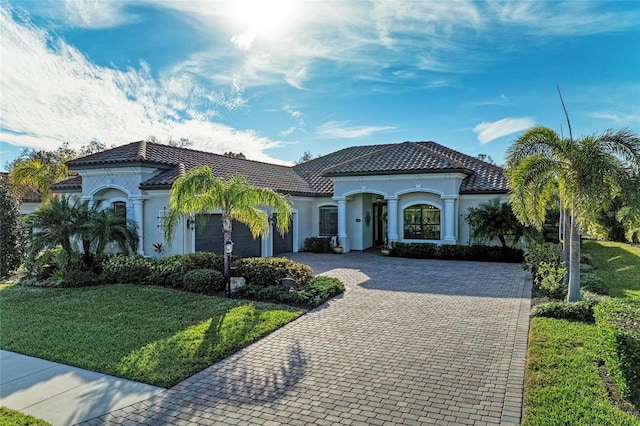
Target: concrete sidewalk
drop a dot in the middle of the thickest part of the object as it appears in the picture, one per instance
(64, 395)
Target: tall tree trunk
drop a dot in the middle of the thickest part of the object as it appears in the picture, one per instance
(566, 235)
(573, 295)
(226, 232)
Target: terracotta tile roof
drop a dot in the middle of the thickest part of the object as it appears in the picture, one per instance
(406, 157)
(280, 178)
(71, 183)
(309, 178)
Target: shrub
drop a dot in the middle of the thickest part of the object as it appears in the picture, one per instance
(13, 235)
(318, 244)
(203, 281)
(80, 278)
(123, 269)
(550, 280)
(414, 250)
(579, 311)
(593, 283)
(265, 271)
(536, 253)
(456, 252)
(201, 260)
(618, 321)
(315, 294)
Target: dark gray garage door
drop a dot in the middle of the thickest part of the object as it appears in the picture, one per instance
(283, 244)
(209, 238)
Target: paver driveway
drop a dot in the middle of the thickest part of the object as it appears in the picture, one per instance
(410, 342)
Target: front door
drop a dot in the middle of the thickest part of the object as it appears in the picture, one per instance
(379, 222)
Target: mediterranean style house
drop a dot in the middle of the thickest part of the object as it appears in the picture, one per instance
(363, 195)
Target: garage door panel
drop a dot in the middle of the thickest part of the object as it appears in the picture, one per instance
(209, 238)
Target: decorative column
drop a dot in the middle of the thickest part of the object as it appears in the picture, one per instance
(138, 217)
(449, 218)
(342, 223)
(392, 219)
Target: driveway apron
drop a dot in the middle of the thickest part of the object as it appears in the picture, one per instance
(410, 342)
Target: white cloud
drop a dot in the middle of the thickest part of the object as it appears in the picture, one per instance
(497, 129)
(342, 130)
(618, 118)
(57, 95)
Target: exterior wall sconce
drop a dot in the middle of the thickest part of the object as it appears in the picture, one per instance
(191, 223)
(367, 218)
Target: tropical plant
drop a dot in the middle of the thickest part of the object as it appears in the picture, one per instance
(12, 235)
(66, 221)
(495, 219)
(199, 191)
(583, 173)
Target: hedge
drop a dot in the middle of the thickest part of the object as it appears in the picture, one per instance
(457, 252)
(310, 296)
(267, 271)
(318, 244)
(618, 321)
(582, 310)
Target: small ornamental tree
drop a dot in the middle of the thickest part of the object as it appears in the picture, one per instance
(12, 234)
(495, 219)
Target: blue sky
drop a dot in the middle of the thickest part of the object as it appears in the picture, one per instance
(273, 79)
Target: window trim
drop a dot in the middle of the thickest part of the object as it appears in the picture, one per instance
(422, 203)
(327, 206)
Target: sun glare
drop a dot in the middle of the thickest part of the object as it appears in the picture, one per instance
(263, 17)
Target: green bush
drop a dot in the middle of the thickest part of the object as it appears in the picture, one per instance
(414, 250)
(536, 253)
(267, 271)
(203, 281)
(315, 294)
(456, 252)
(580, 311)
(550, 280)
(618, 322)
(318, 244)
(201, 260)
(123, 269)
(593, 283)
(80, 278)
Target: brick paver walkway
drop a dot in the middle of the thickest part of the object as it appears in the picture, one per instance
(410, 342)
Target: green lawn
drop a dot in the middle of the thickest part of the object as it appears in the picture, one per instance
(149, 334)
(619, 265)
(10, 417)
(563, 385)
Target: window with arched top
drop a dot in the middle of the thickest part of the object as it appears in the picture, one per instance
(120, 207)
(422, 222)
(328, 220)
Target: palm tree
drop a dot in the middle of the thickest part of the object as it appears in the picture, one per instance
(110, 226)
(38, 174)
(495, 219)
(53, 223)
(582, 173)
(199, 191)
(66, 221)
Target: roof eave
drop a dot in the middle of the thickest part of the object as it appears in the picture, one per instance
(119, 163)
(398, 172)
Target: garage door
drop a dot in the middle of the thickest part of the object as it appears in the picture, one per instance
(282, 244)
(209, 238)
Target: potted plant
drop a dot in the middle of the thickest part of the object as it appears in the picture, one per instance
(337, 249)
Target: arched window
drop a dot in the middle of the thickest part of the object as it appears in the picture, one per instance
(328, 220)
(422, 222)
(120, 207)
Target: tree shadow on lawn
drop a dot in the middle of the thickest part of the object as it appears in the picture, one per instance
(167, 361)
